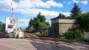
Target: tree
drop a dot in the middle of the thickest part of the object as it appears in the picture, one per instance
(39, 24)
(43, 26)
(41, 17)
(75, 12)
(61, 16)
(33, 24)
(2, 27)
(83, 20)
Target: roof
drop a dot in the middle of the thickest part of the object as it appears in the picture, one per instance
(62, 18)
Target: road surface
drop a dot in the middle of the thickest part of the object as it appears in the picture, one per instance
(24, 44)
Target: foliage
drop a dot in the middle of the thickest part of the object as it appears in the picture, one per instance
(2, 27)
(61, 16)
(41, 18)
(74, 35)
(75, 12)
(83, 20)
(42, 34)
(39, 24)
(43, 26)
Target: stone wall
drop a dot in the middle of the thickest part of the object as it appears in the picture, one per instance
(63, 25)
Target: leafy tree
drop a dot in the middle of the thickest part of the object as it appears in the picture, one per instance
(83, 20)
(75, 12)
(39, 24)
(61, 16)
(2, 27)
(41, 18)
(34, 24)
(43, 26)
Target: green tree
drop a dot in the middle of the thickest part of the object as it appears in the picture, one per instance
(75, 12)
(39, 24)
(61, 16)
(2, 27)
(43, 26)
(41, 17)
(83, 20)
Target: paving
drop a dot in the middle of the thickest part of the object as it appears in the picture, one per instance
(15, 44)
(36, 44)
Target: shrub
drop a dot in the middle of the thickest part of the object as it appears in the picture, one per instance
(76, 35)
(2, 27)
(42, 34)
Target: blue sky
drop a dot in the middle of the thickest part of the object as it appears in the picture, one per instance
(25, 10)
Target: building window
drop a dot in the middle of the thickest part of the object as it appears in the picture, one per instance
(10, 26)
(12, 21)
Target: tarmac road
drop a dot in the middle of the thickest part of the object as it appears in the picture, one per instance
(24, 44)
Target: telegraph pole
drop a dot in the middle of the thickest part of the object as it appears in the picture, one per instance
(12, 9)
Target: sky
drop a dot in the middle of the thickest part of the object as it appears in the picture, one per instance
(24, 10)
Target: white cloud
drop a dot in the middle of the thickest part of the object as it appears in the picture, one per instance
(36, 11)
(28, 4)
(40, 3)
(85, 2)
(28, 7)
(31, 3)
(75, 1)
(6, 5)
(66, 13)
(55, 4)
(23, 22)
(43, 12)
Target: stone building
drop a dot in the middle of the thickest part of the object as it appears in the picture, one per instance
(62, 24)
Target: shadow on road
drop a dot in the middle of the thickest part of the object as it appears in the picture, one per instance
(49, 46)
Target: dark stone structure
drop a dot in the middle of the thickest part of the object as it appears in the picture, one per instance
(62, 24)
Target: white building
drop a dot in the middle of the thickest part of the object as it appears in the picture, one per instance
(11, 25)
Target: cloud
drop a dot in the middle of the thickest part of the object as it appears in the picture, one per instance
(85, 2)
(28, 4)
(23, 22)
(55, 4)
(5, 5)
(28, 7)
(42, 11)
(40, 3)
(75, 1)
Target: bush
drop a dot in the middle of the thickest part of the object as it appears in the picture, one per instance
(76, 35)
(42, 34)
(2, 27)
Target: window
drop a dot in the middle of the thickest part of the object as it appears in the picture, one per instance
(12, 21)
(10, 26)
